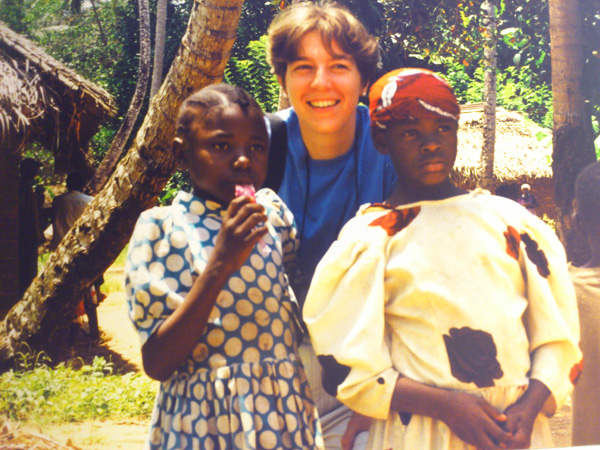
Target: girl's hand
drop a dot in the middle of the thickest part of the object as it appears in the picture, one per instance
(475, 421)
(521, 416)
(470, 417)
(239, 233)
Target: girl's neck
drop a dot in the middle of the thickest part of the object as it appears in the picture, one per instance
(405, 193)
(329, 145)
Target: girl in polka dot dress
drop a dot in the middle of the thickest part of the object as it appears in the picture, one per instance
(209, 296)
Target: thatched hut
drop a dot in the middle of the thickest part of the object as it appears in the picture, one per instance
(519, 156)
(40, 100)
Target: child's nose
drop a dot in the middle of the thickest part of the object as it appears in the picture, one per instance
(430, 144)
(241, 161)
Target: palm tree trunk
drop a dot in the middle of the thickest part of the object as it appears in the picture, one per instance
(118, 144)
(97, 238)
(489, 96)
(159, 46)
(572, 139)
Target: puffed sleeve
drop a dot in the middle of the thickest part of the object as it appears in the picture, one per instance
(551, 318)
(344, 312)
(153, 291)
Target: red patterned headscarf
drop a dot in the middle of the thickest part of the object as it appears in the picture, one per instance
(405, 94)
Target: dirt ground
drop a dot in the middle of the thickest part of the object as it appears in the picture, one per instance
(122, 348)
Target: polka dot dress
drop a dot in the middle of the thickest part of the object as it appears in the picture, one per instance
(243, 386)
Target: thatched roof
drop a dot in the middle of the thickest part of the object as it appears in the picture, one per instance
(518, 157)
(43, 100)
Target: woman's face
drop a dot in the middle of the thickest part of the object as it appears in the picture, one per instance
(323, 88)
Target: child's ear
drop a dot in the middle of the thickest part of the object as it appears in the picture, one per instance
(379, 140)
(178, 149)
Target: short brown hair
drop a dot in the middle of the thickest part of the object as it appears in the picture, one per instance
(332, 22)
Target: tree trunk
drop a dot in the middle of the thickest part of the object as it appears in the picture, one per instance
(102, 231)
(572, 139)
(489, 96)
(100, 29)
(118, 144)
(159, 46)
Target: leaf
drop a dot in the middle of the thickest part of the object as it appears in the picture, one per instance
(541, 135)
(540, 60)
(517, 59)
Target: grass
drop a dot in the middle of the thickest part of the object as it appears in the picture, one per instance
(36, 392)
(114, 277)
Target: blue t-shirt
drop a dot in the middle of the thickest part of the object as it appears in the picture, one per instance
(324, 194)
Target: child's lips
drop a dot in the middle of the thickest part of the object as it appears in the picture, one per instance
(241, 181)
(434, 165)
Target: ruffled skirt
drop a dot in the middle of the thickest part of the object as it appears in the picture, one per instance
(263, 405)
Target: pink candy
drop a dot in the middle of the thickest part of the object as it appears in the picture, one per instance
(248, 191)
(245, 189)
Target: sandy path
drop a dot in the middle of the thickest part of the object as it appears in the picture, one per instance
(117, 330)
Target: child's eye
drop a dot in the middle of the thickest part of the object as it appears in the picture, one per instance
(409, 133)
(445, 128)
(220, 146)
(257, 148)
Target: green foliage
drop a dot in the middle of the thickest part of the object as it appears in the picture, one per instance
(430, 33)
(100, 142)
(12, 13)
(428, 29)
(180, 181)
(254, 75)
(35, 391)
(519, 89)
(46, 175)
(254, 20)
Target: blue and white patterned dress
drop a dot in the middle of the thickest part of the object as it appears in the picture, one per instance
(243, 386)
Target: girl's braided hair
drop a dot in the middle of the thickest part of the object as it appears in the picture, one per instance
(216, 96)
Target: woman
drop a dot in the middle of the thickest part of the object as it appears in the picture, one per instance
(324, 59)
